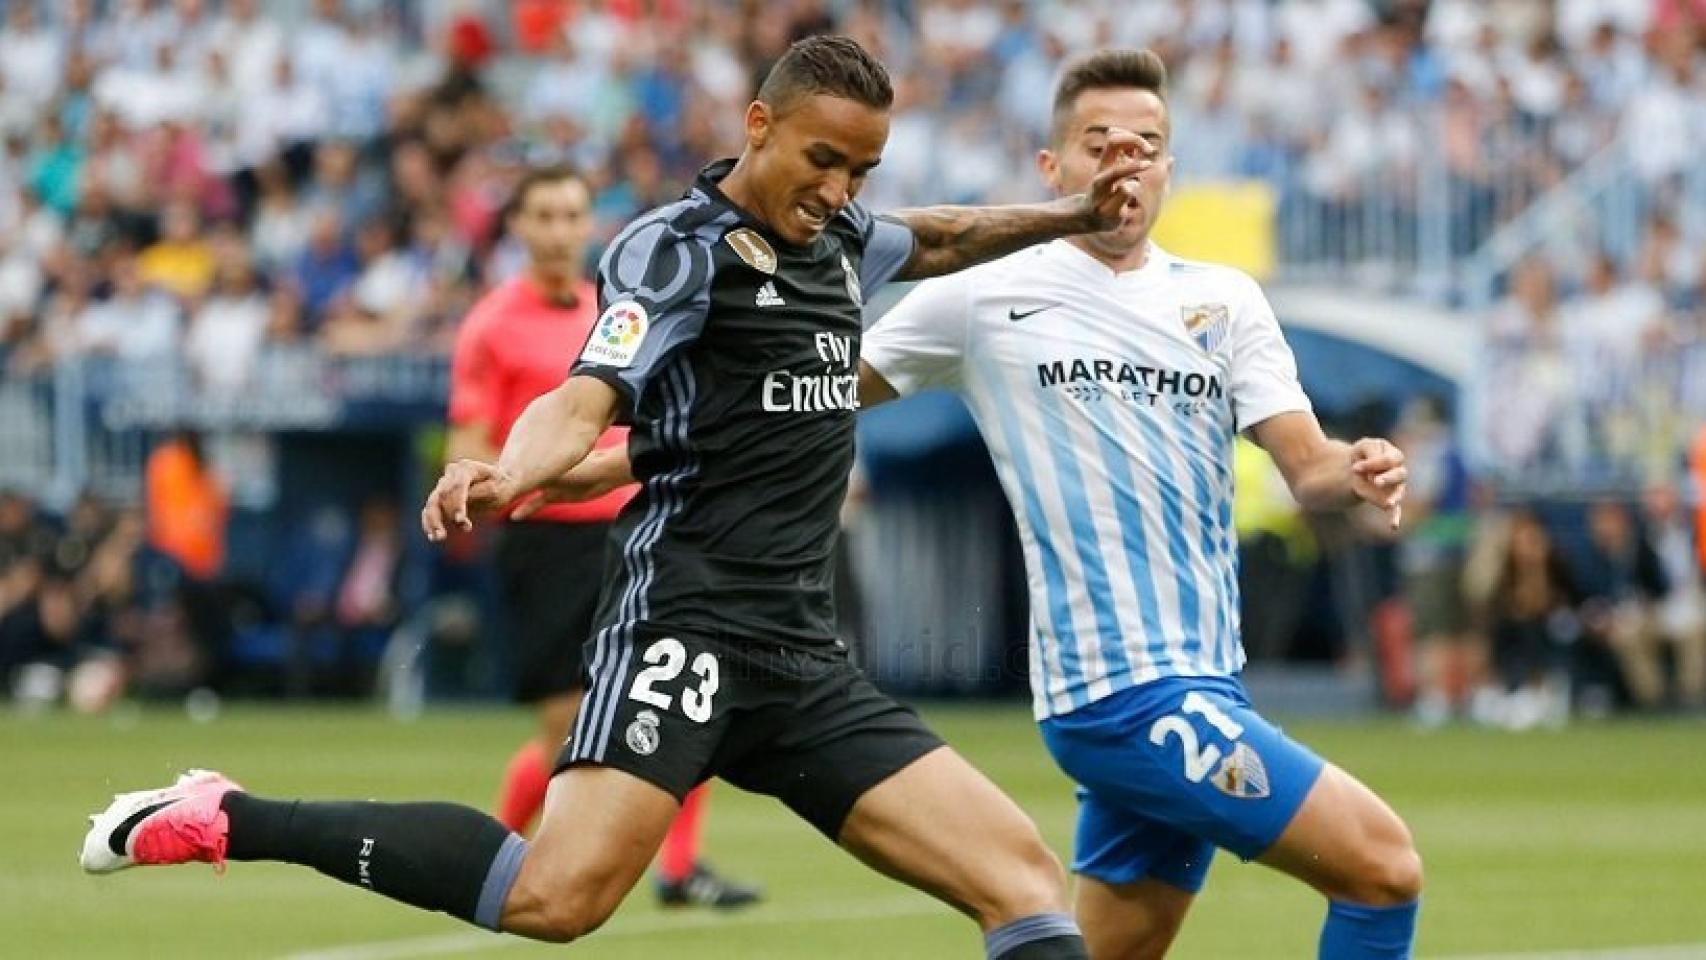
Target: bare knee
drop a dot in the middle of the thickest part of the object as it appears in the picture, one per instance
(1390, 875)
(558, 909)
(1028, 881)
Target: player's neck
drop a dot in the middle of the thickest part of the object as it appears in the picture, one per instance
(559, 288)
(1125, 263)
(739, 191)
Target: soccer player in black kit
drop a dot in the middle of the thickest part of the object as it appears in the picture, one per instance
(729, 339)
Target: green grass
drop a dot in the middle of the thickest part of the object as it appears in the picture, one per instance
(1593, 837)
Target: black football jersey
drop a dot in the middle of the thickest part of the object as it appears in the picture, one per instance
(735, 356)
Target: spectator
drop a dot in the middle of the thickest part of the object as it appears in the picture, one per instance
(1533, 614)
(1680, 620)
(1624, 579)
(181, 262)
(1433, 557)
(379, 313)
(55, 165)
(227, 331)
(31, 55)
(134, 322)
(326, 267)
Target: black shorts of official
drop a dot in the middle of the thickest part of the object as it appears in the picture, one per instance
(552, 574)
(807, 729)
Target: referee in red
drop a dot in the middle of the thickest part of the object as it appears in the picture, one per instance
(517, 343)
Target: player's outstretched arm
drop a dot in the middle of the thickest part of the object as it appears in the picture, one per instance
(1326, 474)
(552, 436)
(946, 239)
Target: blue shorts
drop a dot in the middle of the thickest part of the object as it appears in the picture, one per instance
(1171, 769)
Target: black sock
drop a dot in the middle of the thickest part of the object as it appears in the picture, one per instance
(1069, 947)
(438, 856)
(1044, 936)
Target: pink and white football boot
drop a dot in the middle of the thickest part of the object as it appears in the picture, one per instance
(182, 823)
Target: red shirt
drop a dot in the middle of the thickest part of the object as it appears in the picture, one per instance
(514, 346)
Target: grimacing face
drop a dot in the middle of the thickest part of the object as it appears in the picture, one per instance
(811, 160)
(1070, 165)
(554, 222)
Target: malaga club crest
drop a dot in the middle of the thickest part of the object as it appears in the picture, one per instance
(1242, 774)
(615, 341)
(1207, 324)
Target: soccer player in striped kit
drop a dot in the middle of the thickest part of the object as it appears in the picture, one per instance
(1109, 378)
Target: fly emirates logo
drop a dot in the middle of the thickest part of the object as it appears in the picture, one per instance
(836, 388)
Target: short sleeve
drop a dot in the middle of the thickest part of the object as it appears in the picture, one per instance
(473, 395)
(654, 291)
(1264, 372)
(921, 342)
(888, 245)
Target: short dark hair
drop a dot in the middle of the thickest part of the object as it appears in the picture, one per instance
(1103, 70)
(832, 65)
(538, 177)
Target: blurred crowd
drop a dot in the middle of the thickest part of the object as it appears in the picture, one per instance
(202, 178)
(217, 182)
(1594, 368)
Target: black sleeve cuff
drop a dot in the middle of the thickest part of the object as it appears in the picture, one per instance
(625, 399)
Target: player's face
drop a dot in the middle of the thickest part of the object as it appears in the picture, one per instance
(812, 160)
(554, 222)
(1071, 164)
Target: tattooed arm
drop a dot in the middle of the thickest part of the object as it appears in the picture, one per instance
(946, 239)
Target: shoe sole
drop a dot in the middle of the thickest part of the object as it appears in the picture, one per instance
(97, 856)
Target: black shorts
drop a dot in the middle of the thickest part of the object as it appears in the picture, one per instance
(807, 729)
(552, 574)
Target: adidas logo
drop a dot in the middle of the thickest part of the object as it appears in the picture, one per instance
(768, 297)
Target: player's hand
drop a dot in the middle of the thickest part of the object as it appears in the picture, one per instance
(1124, 158)
(1379, 476)
(467, 489)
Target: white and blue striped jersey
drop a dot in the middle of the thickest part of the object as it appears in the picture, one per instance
(1109, 403)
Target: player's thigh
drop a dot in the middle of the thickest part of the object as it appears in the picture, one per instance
(1137, 877)
(1189, 754)
(867, 773)
(600, 828)
(943, 827)
(1130, 921)
(1349, 844)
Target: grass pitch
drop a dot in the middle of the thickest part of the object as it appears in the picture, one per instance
(1590, 838)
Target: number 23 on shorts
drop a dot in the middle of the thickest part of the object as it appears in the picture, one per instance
(667, 658)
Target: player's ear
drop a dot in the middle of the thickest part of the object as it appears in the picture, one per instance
(758, 123)
(1049, 166)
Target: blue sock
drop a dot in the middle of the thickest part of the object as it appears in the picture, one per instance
(1356, 932)
(1042, 936)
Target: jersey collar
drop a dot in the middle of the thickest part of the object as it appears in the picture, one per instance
(710, 181)
(1156, 264)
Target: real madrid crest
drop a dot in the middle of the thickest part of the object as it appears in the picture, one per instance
(642, 734)
(754, 249)
(853, 289)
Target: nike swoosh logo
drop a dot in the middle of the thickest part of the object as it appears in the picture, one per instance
(1015, 315)
(117, 840)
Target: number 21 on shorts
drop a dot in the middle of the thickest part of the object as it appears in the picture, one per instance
(667, 658)
(1200, 758)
